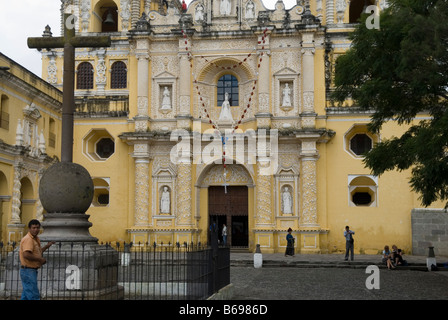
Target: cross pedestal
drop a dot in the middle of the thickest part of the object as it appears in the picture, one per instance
(66, 192)
(66, 187)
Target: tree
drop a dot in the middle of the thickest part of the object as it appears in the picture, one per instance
(399, 72)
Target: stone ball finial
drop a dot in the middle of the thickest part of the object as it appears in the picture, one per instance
(66, 187)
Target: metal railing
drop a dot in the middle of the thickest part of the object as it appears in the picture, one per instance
(119, 270)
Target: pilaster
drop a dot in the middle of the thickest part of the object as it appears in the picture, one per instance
(142, 188)
(142, 54)
(264, 113)
(16, 196)
(184, 115)
(263, 211)
(184, 192)
(308, 114)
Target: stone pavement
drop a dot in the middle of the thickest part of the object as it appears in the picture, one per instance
(325, 260)
(329, 277)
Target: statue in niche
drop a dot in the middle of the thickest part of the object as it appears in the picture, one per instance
(166, 100)
(286, 201)
(225, 114)
(224, 8)
(250, 10)
(199, 13)
(165, 201)
(286, 100)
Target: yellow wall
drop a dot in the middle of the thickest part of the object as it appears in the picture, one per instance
(109, 222)
(23, 89)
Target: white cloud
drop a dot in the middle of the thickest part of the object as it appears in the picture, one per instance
(20, 19)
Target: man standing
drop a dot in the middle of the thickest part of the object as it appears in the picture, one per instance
(348, 234)
(224, 234)
(31, 260)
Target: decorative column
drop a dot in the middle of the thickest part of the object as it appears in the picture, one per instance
(183, 116)
(263, 210)
(101, 78)
(85, 15)
(309, 197)
(135, 11)
(125, 14)
(16, 202)
(15, 226)
(308, 114)
(263, 115)
(309, 227)
(142, 188)
(309, 156)
(184, 194)
(330, 12)
(142, 49)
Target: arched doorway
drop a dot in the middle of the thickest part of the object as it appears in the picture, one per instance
(231, 204)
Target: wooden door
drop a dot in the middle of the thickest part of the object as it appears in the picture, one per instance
(230, 208)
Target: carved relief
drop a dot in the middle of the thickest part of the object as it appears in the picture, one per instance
(85, 15)
(101, 78)
(142, 106)
(125, 14)
(308, 101)
(309, 187)
(236, 175)
(16, 196)
(263, 212)
(184, 105)
(340, 10)
(263, 102)
(52, 70)
(141, 192)
(184, 194)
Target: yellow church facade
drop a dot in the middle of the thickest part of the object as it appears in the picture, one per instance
(221, 115)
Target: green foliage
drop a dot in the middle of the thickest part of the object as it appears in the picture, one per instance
(399, 72)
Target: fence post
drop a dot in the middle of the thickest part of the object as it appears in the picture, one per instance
(214, 256)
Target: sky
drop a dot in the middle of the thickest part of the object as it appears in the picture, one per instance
(20, 19)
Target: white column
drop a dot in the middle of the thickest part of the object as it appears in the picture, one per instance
(263, 74)
(135, 11)
(142, 54)
(184, 78)
(330, 12)
(308, 113)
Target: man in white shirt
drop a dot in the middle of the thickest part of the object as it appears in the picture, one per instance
(348, 234)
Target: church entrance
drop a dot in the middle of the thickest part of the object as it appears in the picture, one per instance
(231, 209)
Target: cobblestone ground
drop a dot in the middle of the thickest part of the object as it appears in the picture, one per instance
(336, 284)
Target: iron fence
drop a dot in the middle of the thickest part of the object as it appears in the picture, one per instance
(120, 270)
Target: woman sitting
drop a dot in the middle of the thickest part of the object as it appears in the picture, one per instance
(388, 258)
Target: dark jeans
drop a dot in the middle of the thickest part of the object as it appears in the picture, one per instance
(348, 247)
(29, 284)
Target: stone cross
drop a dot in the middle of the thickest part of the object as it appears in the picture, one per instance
(69, 42)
